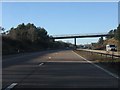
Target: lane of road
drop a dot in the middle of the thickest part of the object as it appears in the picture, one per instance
(54, 69)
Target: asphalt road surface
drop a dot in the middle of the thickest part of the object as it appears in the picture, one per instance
(53, 69)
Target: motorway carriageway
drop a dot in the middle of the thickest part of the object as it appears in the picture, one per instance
(54, 69)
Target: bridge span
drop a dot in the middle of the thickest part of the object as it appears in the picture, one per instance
(74, 36)
(79, 36)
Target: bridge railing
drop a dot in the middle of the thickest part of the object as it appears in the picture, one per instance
(87, 34)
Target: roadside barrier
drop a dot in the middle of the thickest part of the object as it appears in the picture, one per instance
(107, 54)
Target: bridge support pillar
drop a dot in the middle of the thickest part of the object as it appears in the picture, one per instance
(75, 46)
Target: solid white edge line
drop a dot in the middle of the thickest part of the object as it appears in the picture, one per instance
(11, 86)
(114, 75)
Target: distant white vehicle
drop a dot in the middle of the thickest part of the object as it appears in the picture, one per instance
(111, 47)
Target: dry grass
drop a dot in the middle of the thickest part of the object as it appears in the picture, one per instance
(97, 57)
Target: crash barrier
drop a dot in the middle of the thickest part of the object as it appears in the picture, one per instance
(107, 54)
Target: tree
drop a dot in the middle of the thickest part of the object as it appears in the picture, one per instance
(117, 34)
(111, 34)
(28, 38)
(2, 30)
(100, 41)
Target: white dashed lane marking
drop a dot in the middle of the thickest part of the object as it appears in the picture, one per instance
(49, 57)
(11, 86)
(41, 64)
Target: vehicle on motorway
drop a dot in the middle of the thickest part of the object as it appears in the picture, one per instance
(110, 47)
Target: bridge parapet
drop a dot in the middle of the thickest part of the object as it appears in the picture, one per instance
(79, 35)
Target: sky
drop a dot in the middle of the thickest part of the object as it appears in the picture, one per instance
(62, 18)
(119, 12)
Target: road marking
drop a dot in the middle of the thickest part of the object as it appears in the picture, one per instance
(41, 64)
(49, 57)
(114, 75)
(11, 86)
